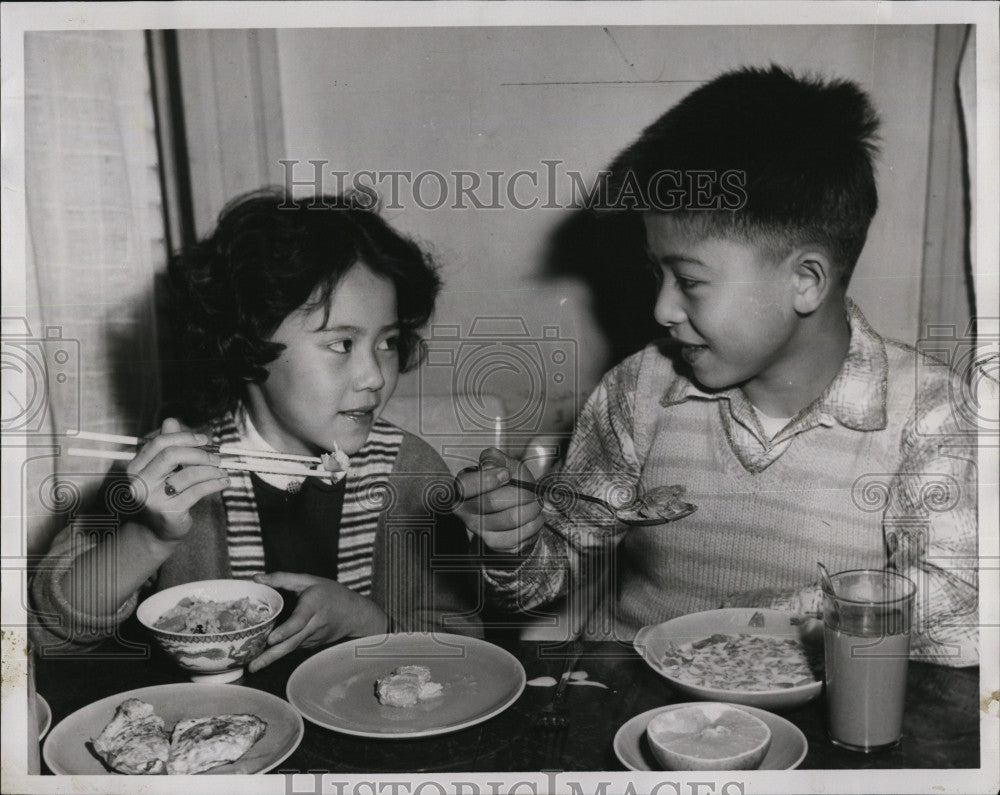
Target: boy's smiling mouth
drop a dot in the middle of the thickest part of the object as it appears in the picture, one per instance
(692, 352)
(689, 351)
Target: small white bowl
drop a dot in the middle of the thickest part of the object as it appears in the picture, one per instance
(221, 656)
(683, 738)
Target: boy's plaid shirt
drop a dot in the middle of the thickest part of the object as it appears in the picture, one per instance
(928, 504)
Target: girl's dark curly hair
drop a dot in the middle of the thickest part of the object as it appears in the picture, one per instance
(269, 255)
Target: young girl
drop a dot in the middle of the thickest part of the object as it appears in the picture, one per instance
(299, 317)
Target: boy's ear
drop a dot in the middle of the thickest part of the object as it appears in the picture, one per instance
(814, 278)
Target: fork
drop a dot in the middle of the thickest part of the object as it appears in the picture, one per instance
(551, 720)
(551, 716)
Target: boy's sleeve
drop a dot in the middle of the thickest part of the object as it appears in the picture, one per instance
(931, 530)
(601, 461)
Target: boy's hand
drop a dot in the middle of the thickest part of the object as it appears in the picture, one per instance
(325, 612)
(176, 474)
(506, 517)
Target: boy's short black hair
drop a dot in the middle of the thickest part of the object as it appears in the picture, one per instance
(269, 255)
(764, 155)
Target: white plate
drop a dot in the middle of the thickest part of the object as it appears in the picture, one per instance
(653, 642)
(335, 688)
(44, 714)
(67, 749)
(788, 744)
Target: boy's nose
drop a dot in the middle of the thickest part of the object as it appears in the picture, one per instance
(668, 310)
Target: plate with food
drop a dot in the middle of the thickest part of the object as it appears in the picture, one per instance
(406, 685)
(179, 729)
(739, 655)
(655, 740)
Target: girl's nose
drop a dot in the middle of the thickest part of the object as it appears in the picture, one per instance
(369, 373)
(668, 310)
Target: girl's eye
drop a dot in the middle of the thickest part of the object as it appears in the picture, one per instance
(389, 344)
(341, 346)
(686, 284)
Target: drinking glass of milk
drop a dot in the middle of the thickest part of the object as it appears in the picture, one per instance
(866, 634)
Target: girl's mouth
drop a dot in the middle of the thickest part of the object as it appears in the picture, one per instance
(360, 416)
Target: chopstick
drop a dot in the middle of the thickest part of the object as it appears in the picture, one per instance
(268, 468)
(223, 449)
(103, 437)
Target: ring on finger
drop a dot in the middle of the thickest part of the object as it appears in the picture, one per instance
(169, 490)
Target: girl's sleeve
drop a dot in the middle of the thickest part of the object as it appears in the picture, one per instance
(431, 583)
(52, 619)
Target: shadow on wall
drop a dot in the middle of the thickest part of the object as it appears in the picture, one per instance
(134, 365)
(607, 252)
(131, 366)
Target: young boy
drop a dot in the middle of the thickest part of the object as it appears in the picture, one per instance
(801, 434)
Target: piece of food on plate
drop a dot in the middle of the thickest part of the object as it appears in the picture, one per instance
(199, 744)
(198, 616)
(407, 686)
(135, 741)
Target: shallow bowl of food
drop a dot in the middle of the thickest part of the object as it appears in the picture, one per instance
(212, 628)
(750, 656)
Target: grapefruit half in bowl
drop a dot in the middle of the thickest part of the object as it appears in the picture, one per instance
(708, 736)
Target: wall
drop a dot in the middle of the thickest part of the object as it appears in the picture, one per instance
(504, 99)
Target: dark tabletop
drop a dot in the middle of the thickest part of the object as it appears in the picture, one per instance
(940, 730)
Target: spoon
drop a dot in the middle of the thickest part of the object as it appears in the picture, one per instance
(656, 506)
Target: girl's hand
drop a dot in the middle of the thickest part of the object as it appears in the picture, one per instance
(175, 473)
(326, 612)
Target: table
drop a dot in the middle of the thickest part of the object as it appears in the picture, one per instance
(941, 724)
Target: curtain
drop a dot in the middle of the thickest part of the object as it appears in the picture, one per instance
(95, 242)
(947, 302)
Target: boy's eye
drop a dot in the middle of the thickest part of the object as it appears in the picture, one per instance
(686, 284)
(341, 346)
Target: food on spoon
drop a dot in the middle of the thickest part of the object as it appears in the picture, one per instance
(199, 744)
(663, 502)
(406, 686)
(708, 736)
(666, 502)
(199, 616)
(740, 662)
(135, 741)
